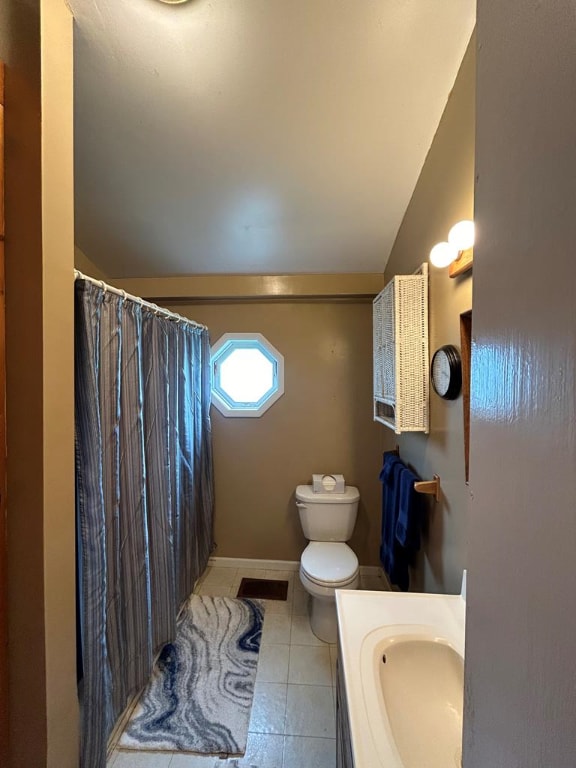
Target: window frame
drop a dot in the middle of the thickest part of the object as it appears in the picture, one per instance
(219, 351)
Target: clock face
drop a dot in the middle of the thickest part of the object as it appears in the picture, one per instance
(441, 372)
(446, 372)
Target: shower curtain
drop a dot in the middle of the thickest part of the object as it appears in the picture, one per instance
(144, 493)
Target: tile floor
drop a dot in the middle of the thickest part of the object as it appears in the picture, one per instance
(293, 713)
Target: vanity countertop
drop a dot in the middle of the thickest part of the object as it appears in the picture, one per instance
(360, 613)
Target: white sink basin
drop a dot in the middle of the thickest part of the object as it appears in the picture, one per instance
(405, 712)
(412, 683)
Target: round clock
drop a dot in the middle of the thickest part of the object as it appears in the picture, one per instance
(446, 372)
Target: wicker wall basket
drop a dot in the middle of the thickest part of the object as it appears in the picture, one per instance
(401, 382)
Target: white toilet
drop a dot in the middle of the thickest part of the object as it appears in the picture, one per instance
(327, 563)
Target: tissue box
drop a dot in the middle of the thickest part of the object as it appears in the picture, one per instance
(328, 484)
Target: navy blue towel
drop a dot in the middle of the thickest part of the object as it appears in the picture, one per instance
(409, 513)
(401, 520)
(390, 465)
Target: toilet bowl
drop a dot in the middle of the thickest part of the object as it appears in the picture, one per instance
(327, 563)
(325, 567)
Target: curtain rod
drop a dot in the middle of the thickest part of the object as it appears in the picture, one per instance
(154, 307)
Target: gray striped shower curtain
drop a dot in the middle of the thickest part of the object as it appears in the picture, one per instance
(144, 493)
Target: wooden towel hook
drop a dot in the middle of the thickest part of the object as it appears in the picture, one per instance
(431, 487)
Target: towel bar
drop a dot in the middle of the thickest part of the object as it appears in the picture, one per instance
(431, 487)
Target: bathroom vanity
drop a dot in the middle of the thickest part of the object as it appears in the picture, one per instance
(400, 680)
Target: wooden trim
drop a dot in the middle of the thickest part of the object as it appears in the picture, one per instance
(3, 520)
(254, 287)
(2, 156)
(466, 355)
(462, 264)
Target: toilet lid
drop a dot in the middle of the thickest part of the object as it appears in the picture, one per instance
(329, 562)
(307, 493)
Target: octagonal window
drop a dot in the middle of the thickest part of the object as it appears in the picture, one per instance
(247, 374)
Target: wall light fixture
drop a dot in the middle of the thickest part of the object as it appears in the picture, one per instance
(460, 238)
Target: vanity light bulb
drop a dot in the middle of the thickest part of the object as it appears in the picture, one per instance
(443, 254)
(461, 236)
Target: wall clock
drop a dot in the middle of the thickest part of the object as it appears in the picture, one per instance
(446, 372)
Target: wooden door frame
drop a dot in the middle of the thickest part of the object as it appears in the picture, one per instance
(3, 520)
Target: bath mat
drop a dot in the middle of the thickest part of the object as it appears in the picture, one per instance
(264, 589)
(200, 694)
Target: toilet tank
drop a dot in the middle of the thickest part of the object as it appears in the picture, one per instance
(327, 516)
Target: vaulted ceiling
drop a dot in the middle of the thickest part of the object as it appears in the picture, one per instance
(255, 136)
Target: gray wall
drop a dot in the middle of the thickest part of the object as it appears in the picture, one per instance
(322, 423)
(521, 623)
(443, 195)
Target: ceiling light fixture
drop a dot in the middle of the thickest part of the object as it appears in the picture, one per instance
(460, 238)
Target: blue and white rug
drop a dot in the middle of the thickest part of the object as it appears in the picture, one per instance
(200, 694)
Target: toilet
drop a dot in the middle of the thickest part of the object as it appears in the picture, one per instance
(327, 563)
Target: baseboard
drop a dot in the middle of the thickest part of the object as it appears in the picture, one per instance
(246, 562)
(371, 570)
(121, 723)
(280, 565)
(385, 579)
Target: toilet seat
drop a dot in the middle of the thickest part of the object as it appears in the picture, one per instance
(329, 564)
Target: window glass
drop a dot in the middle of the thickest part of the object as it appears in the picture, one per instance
(247, 374)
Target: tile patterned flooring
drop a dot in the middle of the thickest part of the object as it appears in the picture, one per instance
(293, 713)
